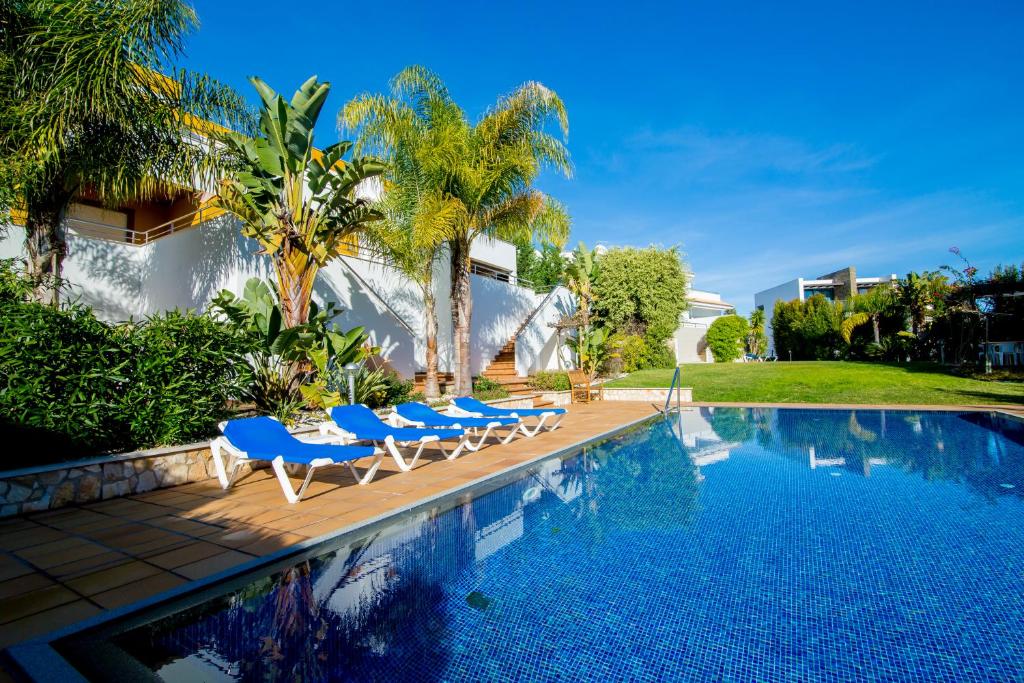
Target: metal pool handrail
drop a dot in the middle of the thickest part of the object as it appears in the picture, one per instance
(678, 387)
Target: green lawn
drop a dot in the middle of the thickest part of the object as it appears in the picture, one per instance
(830, 382)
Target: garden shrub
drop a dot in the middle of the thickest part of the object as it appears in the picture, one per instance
(659, 356)
(550, 380)
(808, 330)
(633, 351)
(486, 389)
(79, 386)
(725, 337)
(641, 353)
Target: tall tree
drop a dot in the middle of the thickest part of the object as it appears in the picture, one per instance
(299, 203)
(83, 106)
(487, 169)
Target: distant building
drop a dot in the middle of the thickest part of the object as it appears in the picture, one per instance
(837, 286)
(690, 340)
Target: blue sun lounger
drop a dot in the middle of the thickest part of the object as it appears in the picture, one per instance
(264, 438)
(421, 415)
(359, 423)
(471, 407)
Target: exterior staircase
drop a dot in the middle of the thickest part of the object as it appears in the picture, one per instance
(445, 379)
(503, 371)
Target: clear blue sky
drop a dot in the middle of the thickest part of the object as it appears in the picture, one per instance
(768, 140)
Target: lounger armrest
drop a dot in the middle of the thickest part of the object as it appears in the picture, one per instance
(399, 421)
(323, 438)
(455, 411)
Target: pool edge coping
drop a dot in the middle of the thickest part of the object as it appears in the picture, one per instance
(36, 659)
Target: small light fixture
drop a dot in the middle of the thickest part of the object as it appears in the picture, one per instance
(350, 370)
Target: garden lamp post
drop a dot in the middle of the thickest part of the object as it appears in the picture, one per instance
(350, 371)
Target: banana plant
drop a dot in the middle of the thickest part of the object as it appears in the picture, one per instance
(592, 347)
(298, 202)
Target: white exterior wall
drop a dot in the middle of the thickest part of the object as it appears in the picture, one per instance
(186, 270)
(794, 289)
(495, 253)
(538, 346)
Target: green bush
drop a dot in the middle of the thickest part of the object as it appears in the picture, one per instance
(184, 370)
(486, 389)
(725, 337)
(640, 353)
(79, 386)
(659, 356)
(550, 380)
(808, 330)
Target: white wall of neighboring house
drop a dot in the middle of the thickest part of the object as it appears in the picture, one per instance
(690, 338)
(187, 269)
(765, 300)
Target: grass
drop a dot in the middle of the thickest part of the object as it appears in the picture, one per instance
(832, 382)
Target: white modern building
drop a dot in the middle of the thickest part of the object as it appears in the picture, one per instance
(179, 253)
(690, 339)
(836, 286)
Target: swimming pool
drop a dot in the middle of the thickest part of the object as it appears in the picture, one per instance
(719, 544)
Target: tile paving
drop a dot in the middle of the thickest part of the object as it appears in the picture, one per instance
(63, 566)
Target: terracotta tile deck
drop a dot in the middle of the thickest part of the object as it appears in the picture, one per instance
(63, 566)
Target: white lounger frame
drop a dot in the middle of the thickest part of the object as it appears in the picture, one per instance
(400, 421)
(556, 419)
(220, 445)
(391, 446)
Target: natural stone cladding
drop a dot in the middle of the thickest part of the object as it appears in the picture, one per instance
(75, 483)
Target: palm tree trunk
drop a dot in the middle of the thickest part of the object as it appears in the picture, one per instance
(46, 245)
(462, 313)
(875, 329)
(431, 387)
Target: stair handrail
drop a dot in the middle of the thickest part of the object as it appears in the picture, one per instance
(534, 313)
(387, 306)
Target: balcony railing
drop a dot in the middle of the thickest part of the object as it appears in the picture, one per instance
(112, 233)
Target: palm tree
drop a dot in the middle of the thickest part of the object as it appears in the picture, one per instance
(83, 107)
(486, 169)
(918, 293)
(756, 339)
(417, 222)
(868, 308)
(295, 200)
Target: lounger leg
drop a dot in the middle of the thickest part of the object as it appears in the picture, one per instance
(392, 448)
(226, 478)
(305, 484)
(512, 434)
(286, 484)
(463, 443)
(378, 458)
(480, 442)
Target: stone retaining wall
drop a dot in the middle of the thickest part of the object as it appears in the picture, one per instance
(657, 396)
(49, 487)
(61, 484)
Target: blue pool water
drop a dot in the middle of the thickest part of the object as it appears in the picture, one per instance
(727, 544)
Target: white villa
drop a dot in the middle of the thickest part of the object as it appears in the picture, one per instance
(180, 252)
